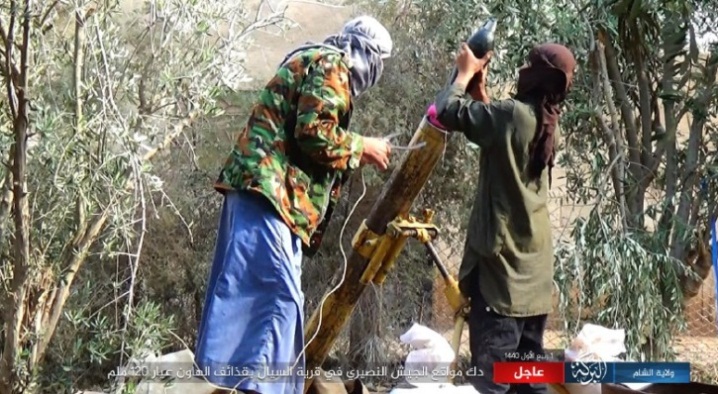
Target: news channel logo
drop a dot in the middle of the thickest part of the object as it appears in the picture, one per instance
(587, 372)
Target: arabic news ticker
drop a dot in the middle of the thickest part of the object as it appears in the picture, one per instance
(591, 372)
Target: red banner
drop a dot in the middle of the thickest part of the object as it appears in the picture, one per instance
(530, 372)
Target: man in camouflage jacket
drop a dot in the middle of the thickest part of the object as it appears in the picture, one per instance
(280, 183)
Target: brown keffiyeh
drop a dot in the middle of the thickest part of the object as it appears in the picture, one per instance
(545, 82)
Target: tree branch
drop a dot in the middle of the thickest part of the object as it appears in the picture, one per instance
(11, 83)
(688, 185)
(17, 294)
(695, 138)
(46, 14)
(79, 65)
(76, 252)
(668, 144)
(12, 71)
(646, 112)
(613, 137)
(6, 200)
(623, 100)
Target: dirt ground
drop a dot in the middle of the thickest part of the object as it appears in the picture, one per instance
(313, 21)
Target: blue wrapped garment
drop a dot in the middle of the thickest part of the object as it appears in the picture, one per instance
(252, 318)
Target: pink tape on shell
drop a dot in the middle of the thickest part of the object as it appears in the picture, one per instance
(431, 115)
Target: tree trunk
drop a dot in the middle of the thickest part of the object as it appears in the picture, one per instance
(15, 301)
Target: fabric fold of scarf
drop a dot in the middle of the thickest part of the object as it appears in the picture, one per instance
(545, 82)
(366, 43)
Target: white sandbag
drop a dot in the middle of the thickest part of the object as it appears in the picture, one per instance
(421, 337)
(597, 343)
(171, 374)
(593, 343)
(429, 361)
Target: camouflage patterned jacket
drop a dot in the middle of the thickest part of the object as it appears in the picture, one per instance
(295, 148)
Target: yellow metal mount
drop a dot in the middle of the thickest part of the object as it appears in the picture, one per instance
(383, 250)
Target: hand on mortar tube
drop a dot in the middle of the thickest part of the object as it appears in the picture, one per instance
(468, 66)
(384, 144)
(376, 152)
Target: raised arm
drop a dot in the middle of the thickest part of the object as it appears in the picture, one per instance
(323, 100)
(478, 120)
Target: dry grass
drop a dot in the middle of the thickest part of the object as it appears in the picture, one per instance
(705, 373)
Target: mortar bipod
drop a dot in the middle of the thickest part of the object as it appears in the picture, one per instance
(383, 250)
(459, 304)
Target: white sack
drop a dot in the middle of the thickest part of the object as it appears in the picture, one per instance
(430, 360)
(178, 369)
(594, 343)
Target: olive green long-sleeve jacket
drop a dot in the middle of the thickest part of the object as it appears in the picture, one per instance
(509, 241)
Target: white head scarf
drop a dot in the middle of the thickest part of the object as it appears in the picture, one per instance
(366, 42)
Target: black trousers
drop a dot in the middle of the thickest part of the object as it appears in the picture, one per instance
(492, 337)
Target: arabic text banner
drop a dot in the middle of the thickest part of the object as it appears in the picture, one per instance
(652, 372)
(627, 372)
(531, 372)
(591, 372)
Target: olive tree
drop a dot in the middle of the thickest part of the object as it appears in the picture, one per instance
(642, 251)
(93, 91)
(639, 142)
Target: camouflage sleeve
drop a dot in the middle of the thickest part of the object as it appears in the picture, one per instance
(323, 100)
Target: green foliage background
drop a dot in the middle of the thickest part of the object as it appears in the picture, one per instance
(629, 263)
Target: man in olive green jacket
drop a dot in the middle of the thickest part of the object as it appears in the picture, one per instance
(507, 268)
